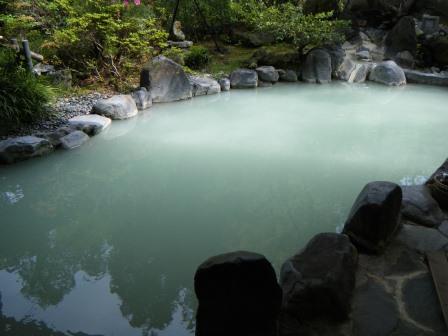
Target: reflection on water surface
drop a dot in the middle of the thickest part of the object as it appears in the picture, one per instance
(105, 240)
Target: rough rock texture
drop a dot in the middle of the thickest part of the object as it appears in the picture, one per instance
(23, 148)
(238, 294)
(395, 295)
(405, 59)
(166, 80)
(55, 136)
(319, 281)
(142, 98)
(317, 67)
(374, 218)
(202, 86)
(352, 72)
(422, 239)
(91, 124)
(388, 73)
(287, 75)
(74, 140)
(117, 108)
(420, 207)
(225, 84)
(402, 37)
(419, 77)
(375, 312)
(181, 44)
(243, 79)
(267, 74)
(443, 169)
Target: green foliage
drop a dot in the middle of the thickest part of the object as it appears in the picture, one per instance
(197, 57)
(23, 97)
(176, 54)
(216, 14)
(100, 37)
(96, 38)
(288, 23)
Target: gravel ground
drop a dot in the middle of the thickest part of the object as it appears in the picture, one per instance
(65, 108)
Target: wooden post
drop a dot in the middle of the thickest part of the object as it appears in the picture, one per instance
(27, 53)
(15, 44)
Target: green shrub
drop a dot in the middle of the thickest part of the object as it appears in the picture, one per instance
(99, 36)
(176, 54)
(23, 97)
(197, 57)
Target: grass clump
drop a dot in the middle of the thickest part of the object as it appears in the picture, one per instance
(24, 98)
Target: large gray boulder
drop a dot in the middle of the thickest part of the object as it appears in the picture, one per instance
(166, 80)
(243, 79)
(267, 74)
(55, 136)
(388, 73)
(319, 281)
(91, 124)
(23, 148)
(402, 37)
(203, 86)
(225, 84)
(420, 77)
(142, 98)
(287, 75)
(375, 216)
(317, 67)
(74, 140)
(117, 107)
(420, 207)
(238, 294)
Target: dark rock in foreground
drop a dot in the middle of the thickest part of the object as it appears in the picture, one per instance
(238, 294)
(23, 148)
(419, 206)
(244, 79)
(375, 216)
(317, 67)
(375, 312)
(319, 281)
(166, 80)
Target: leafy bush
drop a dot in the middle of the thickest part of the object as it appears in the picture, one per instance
(100, 37)
(176, 54)
(197, 57)
(288, 22)
(23, 97)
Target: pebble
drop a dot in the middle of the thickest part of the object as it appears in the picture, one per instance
(65, 108)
